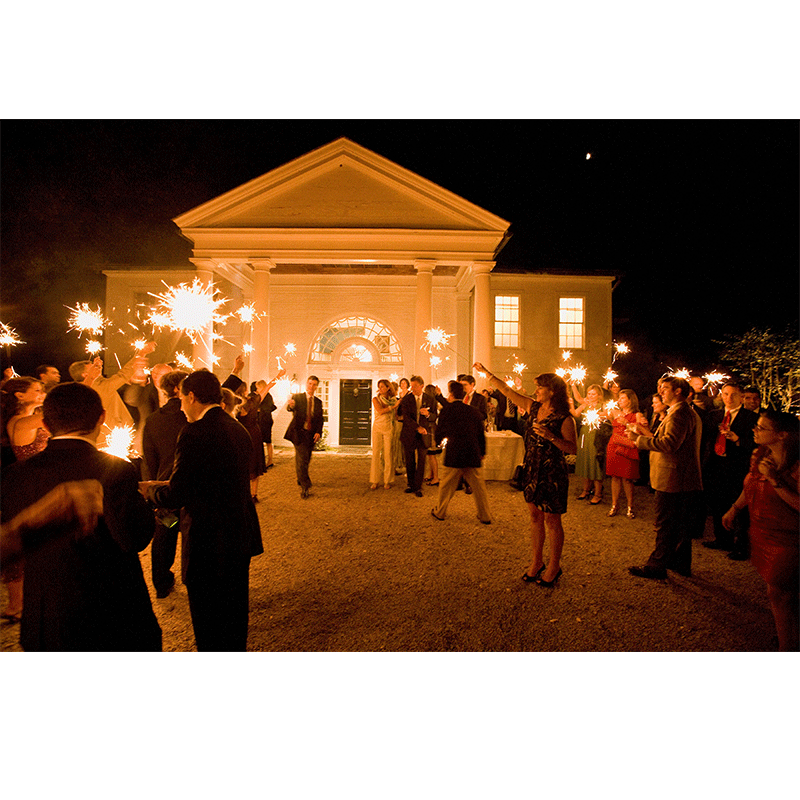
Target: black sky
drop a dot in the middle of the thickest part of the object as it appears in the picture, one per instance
(700, 219)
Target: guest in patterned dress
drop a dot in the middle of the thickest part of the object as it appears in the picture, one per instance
(549, 435)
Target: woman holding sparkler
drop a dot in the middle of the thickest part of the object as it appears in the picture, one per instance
(622, 456)
(250, 417)
(433, 450)
(772, 496)
(549, 435)
(383, 404)
(589, 411)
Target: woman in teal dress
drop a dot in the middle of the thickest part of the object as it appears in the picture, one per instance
(549, 435)
(586, 464)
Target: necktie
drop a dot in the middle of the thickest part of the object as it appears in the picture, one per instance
(310, 411)
(719, 446)
(419, 404)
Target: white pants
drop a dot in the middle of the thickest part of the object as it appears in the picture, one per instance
(381, 446)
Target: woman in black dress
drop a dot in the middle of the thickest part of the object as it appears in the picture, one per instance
(249, 417)
(549, 435)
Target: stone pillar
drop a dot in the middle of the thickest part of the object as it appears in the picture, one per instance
(260, 366)
(422, 317)
(204, 344)
(482, 338)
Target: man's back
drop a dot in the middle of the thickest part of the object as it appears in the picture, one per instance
(462, 426)
(161, 431)
(84, 592)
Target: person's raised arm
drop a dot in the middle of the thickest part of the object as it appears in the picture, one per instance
(521, 400)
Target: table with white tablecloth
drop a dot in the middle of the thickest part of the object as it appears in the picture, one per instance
(505, 450)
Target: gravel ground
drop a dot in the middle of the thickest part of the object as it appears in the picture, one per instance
(351, 569)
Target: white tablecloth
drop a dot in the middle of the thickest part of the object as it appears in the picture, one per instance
(504, 451)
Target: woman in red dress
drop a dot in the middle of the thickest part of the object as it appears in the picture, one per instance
(622, 456)
(772, 496)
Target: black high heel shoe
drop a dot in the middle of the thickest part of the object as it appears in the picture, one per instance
(535, 578)
(549, 584)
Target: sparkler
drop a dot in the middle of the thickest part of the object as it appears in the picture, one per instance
(519, 368)
(394, 377)
(188, 308)
(578, 374)
(561, 372)
(247, 348)
(682, 373)
(140, 345)
(93, 347)
(84, 319)
(620, 349)
(8, 336)
(435, 361)
(611, 405)
(591, 418)
(247, 314)
(610, 376)
(182, 360)
(715, 377)
(436, 339)
(566, 355)
(290, 349)
(119, 442)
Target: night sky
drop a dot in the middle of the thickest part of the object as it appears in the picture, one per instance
(699, 219)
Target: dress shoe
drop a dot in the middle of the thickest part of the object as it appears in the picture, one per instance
(596, 500)
(485, 521)
(735, 555)
(433, 514)
(467, 490)
(717, 545)
(409, 490)
(418, 493)
(549, 584)
(656, 573)
(533, 578)
(687, 573)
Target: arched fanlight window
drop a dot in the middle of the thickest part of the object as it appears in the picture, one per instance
(378, 335)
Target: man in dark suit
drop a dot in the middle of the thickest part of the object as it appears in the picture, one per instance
(478, 402)
(84, 588)
(159, 438)
(305, 430)
(727, 461)
(416, 409)
(211, 482)
(461, 425)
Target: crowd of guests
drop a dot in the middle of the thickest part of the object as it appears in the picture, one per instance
(205, 444)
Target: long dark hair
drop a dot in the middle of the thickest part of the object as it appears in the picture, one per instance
(559, 401)
(10, 402)
(783, 422)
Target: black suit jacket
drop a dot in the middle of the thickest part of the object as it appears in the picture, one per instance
(737, 454)
(296, 430)
(407, 411)
(211, 482)
(478, 402)
(161, 431)
(84, 592)
(462, 426)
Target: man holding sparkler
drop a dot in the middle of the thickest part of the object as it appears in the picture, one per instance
(415, 410)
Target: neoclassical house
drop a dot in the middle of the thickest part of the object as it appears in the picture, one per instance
(351, 258)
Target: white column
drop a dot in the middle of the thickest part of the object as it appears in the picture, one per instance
(204, 344)
(422, 317)
(260, 367)
(482, 323)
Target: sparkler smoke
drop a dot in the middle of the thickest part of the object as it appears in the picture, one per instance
(86, 320)
(8, 336)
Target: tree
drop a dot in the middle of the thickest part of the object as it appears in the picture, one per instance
(769, 361)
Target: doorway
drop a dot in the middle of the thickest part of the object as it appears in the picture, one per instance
(355, 412)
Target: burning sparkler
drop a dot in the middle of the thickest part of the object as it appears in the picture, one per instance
(93, 347)
(435, 361)
(247, 314)
(610, 376)
(119, 442)
(183, 361)
(561, 372)
(139, 345)
(519, 368)
(84, 319)
(188, 308)
(436, 339)
(577, 374)
(682, 373)
(566, 355)
(247, 348)
(620, 348)
(611, 405)
(591, 418)
(8, 336)
(715, 377)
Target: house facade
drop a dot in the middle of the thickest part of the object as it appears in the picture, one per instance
(348, 260)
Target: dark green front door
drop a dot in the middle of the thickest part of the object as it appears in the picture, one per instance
(355, 411)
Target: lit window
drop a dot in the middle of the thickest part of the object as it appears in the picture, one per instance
(506, 321)
(570, 323)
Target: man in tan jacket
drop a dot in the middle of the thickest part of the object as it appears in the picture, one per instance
(675, 476)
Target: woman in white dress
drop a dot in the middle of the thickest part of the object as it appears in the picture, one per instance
(383, 405)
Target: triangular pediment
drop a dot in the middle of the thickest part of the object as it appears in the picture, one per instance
(341, 186)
